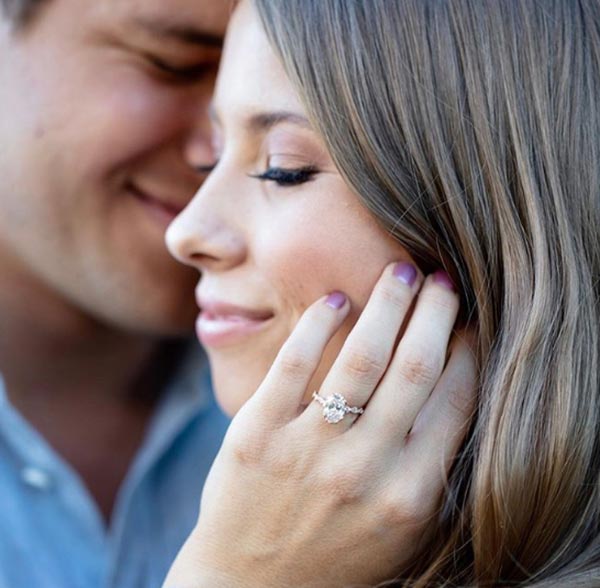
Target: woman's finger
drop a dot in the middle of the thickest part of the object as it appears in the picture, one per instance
(417, 363)
(284, 387)
(441, 425)
(369, 347)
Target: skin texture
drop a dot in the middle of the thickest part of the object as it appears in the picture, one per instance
(318, 505)
(88, 293)
(267, 247)
(88, 290)
(299, 490)
(91, 115)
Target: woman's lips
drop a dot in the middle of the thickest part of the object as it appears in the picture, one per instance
(225, 324)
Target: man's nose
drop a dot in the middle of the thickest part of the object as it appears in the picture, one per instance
(198, 151)
(198, 144)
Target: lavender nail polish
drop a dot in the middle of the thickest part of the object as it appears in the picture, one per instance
(405, 272)
(336, 300)
(441, 277)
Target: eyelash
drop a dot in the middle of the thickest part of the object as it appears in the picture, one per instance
(280, 176)
(287, 177)
(184, 74)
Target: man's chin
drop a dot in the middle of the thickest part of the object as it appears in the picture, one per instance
(148, 320)
(162, 327)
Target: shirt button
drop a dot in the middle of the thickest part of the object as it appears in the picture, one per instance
(36, 478)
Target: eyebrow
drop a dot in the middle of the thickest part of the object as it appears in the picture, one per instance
(264, 121)
(179, 32)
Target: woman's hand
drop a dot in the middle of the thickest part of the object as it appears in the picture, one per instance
(293, 500)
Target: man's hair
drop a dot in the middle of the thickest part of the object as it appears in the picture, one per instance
(18, 11)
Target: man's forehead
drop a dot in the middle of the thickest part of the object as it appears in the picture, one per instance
(194, 21)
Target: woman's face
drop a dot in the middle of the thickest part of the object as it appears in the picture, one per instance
(274, 227)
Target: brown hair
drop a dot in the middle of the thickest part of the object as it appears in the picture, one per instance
(471, 130)
(19, 11)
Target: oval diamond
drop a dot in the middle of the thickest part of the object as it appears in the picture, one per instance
(334, 408)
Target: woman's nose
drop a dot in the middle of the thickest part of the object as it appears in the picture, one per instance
(205, 236)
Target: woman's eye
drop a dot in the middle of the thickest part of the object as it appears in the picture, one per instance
(287, 177)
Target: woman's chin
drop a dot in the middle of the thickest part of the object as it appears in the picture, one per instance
(227, 406)
(237, 371)
(237, 375)
(233, 387)
(230, 399)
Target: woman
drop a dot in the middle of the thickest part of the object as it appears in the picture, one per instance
(470, 131)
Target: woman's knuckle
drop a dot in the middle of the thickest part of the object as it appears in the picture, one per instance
(246, 447)
(442, 300)
(395, 296)
(420, 370)
(392, 512)
(342, 486)
(365, 363)
(461, 400)
(295, 362)
(406, 508)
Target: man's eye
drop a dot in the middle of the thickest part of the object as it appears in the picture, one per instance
(188, 73)
(287, 177)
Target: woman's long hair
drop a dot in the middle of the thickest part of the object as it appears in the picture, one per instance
(471, 130)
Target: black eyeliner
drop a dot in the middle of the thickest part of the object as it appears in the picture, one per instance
(287, 177)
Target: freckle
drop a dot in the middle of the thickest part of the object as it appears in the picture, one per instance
(40, 132)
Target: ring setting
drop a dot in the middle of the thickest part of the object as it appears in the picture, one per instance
(335, 407)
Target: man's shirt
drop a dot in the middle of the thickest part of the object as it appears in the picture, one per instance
(52, 534)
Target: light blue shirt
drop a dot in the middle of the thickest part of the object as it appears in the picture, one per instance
(52, 534)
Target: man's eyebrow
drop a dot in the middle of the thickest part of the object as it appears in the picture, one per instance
(264, 121)
(179, 32)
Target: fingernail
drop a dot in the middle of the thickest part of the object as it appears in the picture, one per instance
(336, 300)
(441, 277)
(405, 272)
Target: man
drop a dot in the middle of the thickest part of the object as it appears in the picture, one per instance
(107, 426)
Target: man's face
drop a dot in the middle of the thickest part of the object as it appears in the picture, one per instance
(101, 105)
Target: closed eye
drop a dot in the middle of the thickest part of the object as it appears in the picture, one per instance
(188, 73)
(205, 169)
(287, 177)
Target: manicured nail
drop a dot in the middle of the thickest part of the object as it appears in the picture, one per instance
(336, 300)
(441, 277)
(405, 272)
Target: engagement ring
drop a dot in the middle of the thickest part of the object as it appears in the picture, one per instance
(335, 407)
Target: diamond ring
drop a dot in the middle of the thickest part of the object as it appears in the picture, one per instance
(335, 407)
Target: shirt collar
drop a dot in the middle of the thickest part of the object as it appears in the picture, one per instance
(187, 395)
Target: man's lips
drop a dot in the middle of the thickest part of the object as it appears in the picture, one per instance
(221, 323)
(164, 209)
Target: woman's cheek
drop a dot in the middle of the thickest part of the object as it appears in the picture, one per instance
(237, 375)
(307, 258)
(326, 242)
